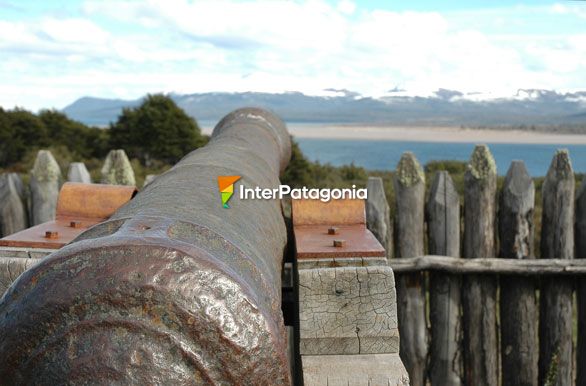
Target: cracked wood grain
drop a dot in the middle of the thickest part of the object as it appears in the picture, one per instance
(479, 291)
(13, 216)
(443, 229)
(580, 237)
(45, 183)
(409, 181)
(347, 310)
(518, 304)
(378, 214)
(557, 240)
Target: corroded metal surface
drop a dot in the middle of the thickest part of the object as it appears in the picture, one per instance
(334, 212)
(79, 207)
(314, 241)
(97, 201)
(173, 288)
(336, 228)
(38, 236)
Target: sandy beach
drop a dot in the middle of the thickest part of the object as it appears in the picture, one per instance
(431, 134)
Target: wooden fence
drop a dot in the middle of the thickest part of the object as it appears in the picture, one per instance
(475, 307)
(21, 206)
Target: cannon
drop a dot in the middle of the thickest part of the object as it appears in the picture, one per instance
(171, 289)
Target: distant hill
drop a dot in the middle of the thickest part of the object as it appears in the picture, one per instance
(97, 111)
(445, 108)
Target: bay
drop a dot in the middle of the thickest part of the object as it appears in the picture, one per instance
(385, 154)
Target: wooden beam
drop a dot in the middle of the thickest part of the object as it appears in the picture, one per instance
(534, 267)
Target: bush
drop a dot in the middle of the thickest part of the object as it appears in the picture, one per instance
(157, 129)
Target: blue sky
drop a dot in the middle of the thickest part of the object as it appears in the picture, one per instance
(53, 52)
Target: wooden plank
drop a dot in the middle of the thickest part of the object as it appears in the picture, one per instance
(557, 239)
(443, 229)
(409, 183)
(518, 304)
(490, 266)
(479, 291)
(580, 239)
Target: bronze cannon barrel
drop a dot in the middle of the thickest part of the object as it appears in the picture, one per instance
(173, 288)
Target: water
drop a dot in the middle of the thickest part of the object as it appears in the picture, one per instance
(385, 154)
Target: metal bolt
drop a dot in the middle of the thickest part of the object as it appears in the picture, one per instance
(51, 235)
(332, 231)
(75, 224)
(339, 243)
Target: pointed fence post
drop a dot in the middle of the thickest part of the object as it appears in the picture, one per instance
(443, 230)
(580, 238)
(13, 217)
(149, 178)
(557, 241)
(378, 214)
(45, 184)
(78, 173)
(117, 169)
(479, 291)
(518, 304)
(409, 183)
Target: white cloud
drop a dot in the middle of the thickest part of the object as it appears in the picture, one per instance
(566, 9)
(346, 7)
(125, 49)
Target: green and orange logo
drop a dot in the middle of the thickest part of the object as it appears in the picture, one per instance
(226, 185)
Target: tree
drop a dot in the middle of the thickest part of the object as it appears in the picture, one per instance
(79, 139)
(298, 171)
(19, 131)
(157, 129)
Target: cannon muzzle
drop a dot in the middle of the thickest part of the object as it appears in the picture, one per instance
(173, 288)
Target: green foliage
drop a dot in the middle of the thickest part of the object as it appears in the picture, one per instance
(82, 141)
(297, 173)
(453, 167)
(157, 129)
(22, 133)
(19, 130)
(302, 172)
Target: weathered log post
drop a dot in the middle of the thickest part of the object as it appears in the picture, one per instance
(148, 179)
(378, 214)
(13, 217)
(173, 288)
(78, 173)
(410, 199)
(518, 304)
(479, 291)
(45, 184)
(557, 241)
(443, 229)
(580, 238)
(117, 169)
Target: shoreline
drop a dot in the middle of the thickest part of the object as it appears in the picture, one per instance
(432, 134)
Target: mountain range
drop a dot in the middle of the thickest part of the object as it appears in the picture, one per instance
(528, 107)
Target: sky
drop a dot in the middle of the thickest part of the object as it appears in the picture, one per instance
(54, 52)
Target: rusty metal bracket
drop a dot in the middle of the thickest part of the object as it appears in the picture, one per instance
(79, 207)
(332, 229)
